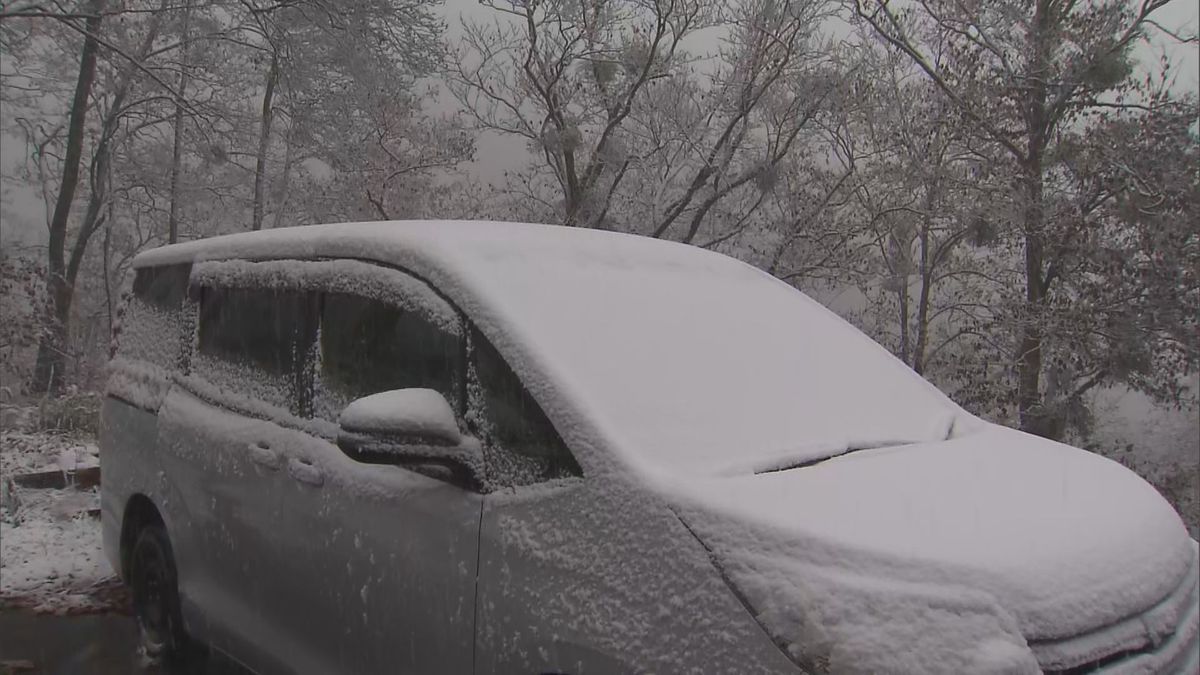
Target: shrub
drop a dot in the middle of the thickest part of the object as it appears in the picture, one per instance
(76, 412)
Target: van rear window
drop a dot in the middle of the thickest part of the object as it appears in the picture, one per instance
(164, 286)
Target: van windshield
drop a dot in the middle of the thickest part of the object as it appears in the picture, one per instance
(694, 362)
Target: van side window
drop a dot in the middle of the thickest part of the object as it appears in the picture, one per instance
(154, 326)
(368, 346)
(254, 341)
(256, 326)
(521, 444)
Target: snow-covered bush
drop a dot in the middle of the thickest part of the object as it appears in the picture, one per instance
(75, 411)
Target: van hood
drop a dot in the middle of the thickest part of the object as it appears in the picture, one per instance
(982, 544)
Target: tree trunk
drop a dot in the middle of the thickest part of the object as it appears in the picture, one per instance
(94, 217)
(264, 140)
(902, 297)
(923, 300)
(177, 147)
(106, 250)
(62, 274)
(1029, 350)
(1030, 407)
(289, 158)
(51, 355)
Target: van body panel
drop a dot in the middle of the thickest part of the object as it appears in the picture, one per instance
(127, 454)
(592, 577)
(221, 510)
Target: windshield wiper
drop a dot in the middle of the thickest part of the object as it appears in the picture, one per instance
(849, 448)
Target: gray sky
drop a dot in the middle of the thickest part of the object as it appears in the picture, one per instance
(1181, 16)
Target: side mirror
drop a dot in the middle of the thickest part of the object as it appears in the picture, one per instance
(419, 416)
(414, 428)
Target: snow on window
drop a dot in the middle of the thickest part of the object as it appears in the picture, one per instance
(236, 399)
(151, 334)
(138, 382)
(520, 443)
(376, 329)
(153, 322)
(365, 280)
(151, 337)
(233, 382)
(252, 342)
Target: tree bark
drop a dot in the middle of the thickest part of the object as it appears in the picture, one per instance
(1030, 407)
(264, 141)
(902, 298)
(926, 272)
(289, 158)
(1029, 350)
(51, 355)
(177, 146)
(106, 250)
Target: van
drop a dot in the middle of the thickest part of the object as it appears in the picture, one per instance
(476, 447)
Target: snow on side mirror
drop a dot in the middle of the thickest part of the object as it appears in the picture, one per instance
(414, 428)
(417, 416)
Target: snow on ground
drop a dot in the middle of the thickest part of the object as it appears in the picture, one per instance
(50, 548)
(22, 452)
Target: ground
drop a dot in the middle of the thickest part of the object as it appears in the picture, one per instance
(50, 548)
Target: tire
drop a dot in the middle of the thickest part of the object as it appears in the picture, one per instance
(153, 582)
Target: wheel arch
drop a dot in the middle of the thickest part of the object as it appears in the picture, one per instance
(140, 512)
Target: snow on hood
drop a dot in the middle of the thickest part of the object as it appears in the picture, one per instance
(976, 544)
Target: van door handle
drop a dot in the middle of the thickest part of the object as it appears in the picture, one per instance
(305, 471)
(263, 455)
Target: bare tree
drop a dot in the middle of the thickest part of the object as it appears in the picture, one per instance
(47, 372)
(565, 76)
(1026, 75)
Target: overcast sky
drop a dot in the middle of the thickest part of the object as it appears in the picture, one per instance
(23, 214)
(1180, 17)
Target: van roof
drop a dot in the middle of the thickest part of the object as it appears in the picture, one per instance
(400, 242)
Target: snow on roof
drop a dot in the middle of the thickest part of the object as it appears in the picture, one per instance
(397, 242)
(679, 358)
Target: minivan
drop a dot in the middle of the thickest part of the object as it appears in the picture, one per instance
(479, 447)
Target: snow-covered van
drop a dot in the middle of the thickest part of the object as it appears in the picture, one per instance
(469, 447)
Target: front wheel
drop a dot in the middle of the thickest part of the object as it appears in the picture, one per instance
(156, 598)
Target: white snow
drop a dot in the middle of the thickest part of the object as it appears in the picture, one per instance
(1174, 616)
(50, 549)
(338, 276)
(1033, 539)
(149, 343)
(54, 554)
(138, 382)
(841, 622)
(234, 398)
(150, 334)
(255, 387)
(421, 412)
(187, 415)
